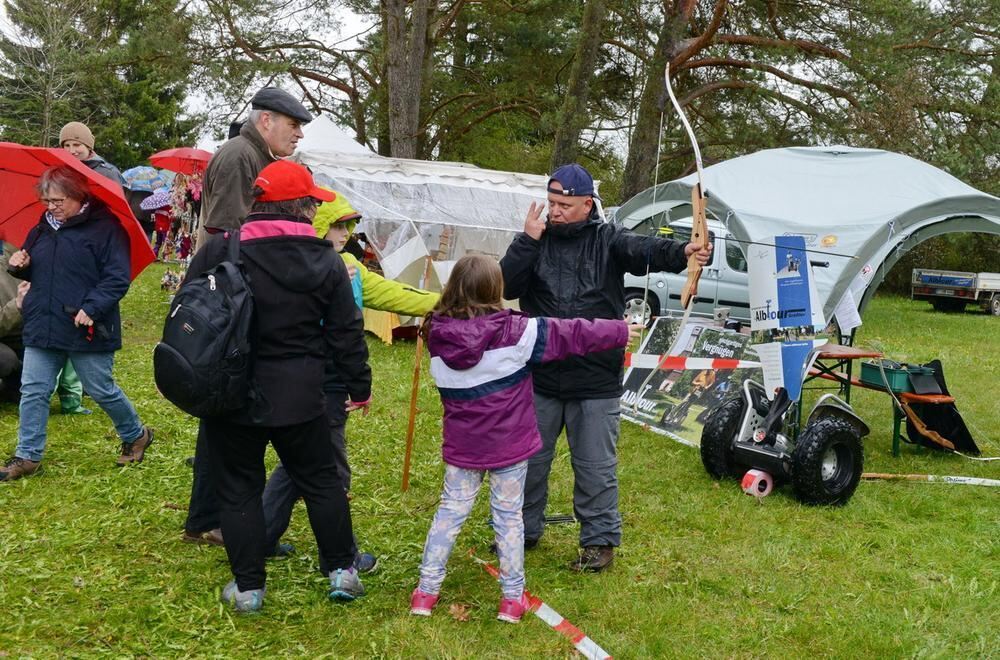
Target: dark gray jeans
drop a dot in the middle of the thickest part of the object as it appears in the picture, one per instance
(592, 434)
(280, 492)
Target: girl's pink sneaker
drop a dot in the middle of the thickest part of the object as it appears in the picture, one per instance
(511, 609)
(422, 603)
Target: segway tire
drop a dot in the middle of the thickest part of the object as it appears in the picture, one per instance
(717, 440)
(827, 462)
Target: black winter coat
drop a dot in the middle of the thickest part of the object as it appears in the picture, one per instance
(84, 265)
(577, 271)
(305, 312)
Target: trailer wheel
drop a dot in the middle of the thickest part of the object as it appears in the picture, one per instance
(717, 440)
(827, 462)
(995, 305)
(948, 305)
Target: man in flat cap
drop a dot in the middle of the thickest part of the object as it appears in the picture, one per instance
(572, 265)
(269, 134)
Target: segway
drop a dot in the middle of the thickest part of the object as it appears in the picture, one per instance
(758, 440)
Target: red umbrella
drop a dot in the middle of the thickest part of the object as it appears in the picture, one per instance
(183, 160)
(20, 168)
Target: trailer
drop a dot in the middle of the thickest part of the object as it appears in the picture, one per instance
(951, 291)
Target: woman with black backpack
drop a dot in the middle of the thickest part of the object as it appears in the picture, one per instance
(304, 311)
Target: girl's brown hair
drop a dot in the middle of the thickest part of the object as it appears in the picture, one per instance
(474, 288)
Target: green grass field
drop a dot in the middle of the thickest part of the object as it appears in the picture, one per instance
(91, 562)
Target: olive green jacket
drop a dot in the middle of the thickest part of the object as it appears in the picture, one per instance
(226, 195)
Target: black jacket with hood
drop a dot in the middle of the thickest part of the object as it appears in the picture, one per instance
(577, 271)
(305, 312)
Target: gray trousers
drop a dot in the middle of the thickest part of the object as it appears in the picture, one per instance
(280, 492)
(592, 434)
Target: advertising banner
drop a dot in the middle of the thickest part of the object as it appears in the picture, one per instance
(706, 363)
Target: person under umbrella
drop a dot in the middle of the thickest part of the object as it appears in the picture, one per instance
(77, 259)
(76, 138)
(159, 204)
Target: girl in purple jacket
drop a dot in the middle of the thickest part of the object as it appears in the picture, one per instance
(481, 360)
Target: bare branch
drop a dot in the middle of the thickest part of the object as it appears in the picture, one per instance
(758, 66)
(804, 45)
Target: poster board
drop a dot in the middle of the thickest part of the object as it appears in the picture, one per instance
(678, 402)
(785, 314)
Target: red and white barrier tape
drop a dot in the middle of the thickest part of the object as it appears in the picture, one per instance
(681, 363)
(587, 647)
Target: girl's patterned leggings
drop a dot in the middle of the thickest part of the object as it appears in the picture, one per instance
(457, 498)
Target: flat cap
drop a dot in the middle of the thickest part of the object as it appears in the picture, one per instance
(278, 100)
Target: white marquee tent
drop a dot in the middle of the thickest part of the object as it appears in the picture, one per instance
(414, 209)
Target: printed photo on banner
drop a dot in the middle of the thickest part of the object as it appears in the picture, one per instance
(782, 288)
(679, 397)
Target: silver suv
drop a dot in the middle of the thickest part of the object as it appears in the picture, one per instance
(723, 282)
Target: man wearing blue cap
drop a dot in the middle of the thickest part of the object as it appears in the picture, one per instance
(572, 265)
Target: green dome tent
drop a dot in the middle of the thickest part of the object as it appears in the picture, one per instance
(873, 204)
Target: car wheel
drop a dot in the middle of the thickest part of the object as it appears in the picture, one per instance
(640, 310)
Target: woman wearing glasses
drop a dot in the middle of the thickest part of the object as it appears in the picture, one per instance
(77, 260)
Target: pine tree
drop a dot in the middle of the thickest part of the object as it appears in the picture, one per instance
(119, 67)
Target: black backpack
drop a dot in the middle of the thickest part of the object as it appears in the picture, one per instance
(204, 361)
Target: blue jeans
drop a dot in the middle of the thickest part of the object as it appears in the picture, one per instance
(457, 498)
(38, 381)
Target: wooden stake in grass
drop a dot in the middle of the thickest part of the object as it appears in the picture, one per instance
(968, 481)
(414, 391)
(413, 414)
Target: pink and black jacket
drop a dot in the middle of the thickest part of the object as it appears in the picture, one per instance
(482, 368)
(305, 314)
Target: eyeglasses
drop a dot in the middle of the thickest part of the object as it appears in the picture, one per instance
(57, 202)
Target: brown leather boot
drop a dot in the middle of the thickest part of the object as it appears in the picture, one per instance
(594, 558)
(211, 537)
(135, 451)
(17, 467)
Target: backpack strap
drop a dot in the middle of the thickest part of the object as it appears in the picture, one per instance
(233, 247)
(257, 406)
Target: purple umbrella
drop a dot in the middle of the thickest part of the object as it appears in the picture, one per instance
(157, 200)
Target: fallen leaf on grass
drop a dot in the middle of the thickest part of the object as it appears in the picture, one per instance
(459, 611)
(175, 507)
(78, 582)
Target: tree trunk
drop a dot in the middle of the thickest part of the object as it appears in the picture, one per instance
(406, 64)
(573, 114)
(640, 167)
